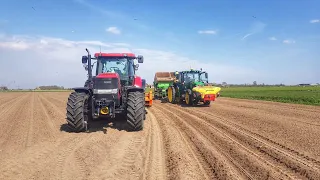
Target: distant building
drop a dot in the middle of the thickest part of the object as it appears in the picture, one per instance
(3, 88)
(304, 84)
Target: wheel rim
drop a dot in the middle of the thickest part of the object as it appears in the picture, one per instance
(187, 98)
(170, 94)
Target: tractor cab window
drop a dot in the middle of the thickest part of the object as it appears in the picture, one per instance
(203, 78)
(191, 76)
(113, 65)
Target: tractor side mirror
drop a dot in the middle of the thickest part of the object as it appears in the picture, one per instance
(206, 75)
(140, 59)
(84, 59)
(136, 66)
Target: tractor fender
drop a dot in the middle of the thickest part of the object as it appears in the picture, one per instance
(82, 89)
(132, 89)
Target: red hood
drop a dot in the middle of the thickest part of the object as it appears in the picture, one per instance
(108, 75)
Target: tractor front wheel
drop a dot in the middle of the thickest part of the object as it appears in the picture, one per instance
(78, 111)
(189, 98)
(135, 111)
(207, 103)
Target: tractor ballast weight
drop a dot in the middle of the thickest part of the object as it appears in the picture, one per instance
(192, 87)
(162, 80)
(115, 89)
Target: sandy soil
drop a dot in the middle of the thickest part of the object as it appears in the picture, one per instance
(232, 139)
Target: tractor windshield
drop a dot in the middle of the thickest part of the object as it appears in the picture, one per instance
(114, 65)
(191, 76)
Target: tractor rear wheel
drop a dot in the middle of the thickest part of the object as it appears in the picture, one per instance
(78, 111)
(171, 94)
(135, 111)
(178, 98)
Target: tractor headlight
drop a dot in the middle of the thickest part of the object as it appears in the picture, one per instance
(105, 91)
(114, 91)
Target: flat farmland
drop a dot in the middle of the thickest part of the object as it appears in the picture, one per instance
(232, 139)
(309, 95)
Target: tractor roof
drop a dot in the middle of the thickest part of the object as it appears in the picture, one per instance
(114, 55)
(192, 70)
(108, 75)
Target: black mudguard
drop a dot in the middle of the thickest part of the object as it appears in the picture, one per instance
(131, 89)
(83, 89)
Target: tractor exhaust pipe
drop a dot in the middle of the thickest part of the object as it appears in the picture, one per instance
(89, 65)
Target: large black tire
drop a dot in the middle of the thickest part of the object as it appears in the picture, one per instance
(78, 111)
(207, 103)
(178, 98)
(86, 84)
(191, 99)
(135, 111)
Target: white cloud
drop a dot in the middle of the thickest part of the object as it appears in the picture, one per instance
(256, 27)
(247, 35)
(273, 38)
(113, 30)
(289, 41)
(19, 42)
(207, 32)
(315, 21)
(37, 60)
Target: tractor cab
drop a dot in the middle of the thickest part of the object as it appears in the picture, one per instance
(120, 64)
(192, 78)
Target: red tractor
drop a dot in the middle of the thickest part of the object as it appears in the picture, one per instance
(116, 89)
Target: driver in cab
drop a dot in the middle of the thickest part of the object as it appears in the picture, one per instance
(114, 69)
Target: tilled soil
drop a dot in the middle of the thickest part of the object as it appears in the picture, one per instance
(232, 139)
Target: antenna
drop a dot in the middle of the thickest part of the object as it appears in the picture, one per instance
(100, 50)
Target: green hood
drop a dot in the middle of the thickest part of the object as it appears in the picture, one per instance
(198, 83)
(163, 85)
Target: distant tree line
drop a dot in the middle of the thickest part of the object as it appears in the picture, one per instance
(52, 87)
(254, 84)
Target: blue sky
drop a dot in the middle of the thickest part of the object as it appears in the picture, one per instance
(235, 41)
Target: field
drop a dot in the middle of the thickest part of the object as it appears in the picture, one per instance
(232, 139)
(309, 95)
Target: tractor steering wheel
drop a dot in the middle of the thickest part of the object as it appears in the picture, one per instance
(113, 69)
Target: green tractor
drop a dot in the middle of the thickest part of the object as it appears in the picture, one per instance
(162, 80)
(192, 88)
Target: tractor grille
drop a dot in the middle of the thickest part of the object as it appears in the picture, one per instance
(101, 84)
(106, 89)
